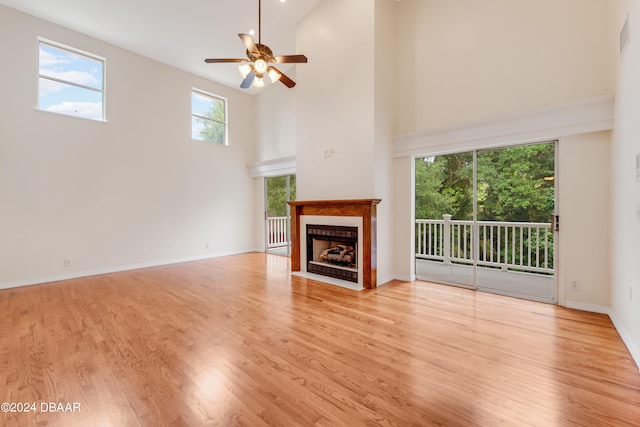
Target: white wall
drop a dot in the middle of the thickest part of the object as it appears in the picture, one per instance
(583, 246)
(625, 254)
(460, 61)
(135, 190)
(335, 102)
(404, 218)
(275, 111)
(384, 112)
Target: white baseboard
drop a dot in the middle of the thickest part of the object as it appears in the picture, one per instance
(386, 279)
(626, 337)
(116, 269)
(404, 278)
(593, 308)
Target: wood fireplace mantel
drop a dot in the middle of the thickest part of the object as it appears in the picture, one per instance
(364, 208)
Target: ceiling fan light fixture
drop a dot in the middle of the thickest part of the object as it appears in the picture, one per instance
(258, 82)
(244, 69)
(274, 75)
(260, 66)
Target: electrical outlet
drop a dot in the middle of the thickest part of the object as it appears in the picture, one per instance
(67, 262)
(575, 285)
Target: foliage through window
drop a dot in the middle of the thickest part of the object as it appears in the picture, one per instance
(514, 184)
(70, 82)
(280, 190)
(208, 117)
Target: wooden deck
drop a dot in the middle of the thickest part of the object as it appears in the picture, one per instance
(536, 287)
(239, 341)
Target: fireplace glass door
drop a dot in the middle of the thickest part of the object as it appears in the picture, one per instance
(333, 251)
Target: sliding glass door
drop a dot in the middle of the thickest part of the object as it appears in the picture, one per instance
(278, 191)
(516, 201)
(444, 218)
(483, 220)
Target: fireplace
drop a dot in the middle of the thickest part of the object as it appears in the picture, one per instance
(332, 251)
(354, 222)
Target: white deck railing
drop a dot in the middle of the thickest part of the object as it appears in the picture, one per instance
(519, 246)
(277, 231)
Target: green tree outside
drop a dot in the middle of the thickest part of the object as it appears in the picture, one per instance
(514, 184)
(277, 194)
(214, 124)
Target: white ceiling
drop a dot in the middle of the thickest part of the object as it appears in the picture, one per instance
(179, 33)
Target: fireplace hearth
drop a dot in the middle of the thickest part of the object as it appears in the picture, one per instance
(332, 251)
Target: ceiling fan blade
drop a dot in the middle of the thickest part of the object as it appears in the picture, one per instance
(249, 43)
(246, 83)
(284, 78)
(291, 59)
(220, 60)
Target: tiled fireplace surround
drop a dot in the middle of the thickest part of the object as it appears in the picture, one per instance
(359, 213)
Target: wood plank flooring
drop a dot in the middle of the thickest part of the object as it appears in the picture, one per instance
(238, 341)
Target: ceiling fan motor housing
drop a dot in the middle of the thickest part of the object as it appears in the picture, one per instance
(264, 53)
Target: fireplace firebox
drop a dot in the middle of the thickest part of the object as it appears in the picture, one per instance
(333, 251)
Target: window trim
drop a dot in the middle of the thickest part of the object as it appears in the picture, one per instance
(80, 52)
(200, 116)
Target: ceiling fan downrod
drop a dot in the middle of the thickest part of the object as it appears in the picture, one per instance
(259, 21)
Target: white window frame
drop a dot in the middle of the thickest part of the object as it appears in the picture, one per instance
(79, 52)
(199, 116)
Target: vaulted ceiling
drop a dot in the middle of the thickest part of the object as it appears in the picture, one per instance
(182, 33)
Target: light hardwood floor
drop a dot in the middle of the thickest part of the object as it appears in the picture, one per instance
(238, 341)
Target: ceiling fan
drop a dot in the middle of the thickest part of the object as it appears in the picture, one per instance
(260, 57)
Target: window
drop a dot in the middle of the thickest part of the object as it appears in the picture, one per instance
(70, 82)
(208, 117)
